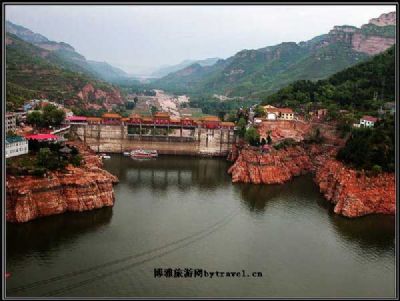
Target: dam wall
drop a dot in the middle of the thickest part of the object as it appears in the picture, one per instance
(173, 141)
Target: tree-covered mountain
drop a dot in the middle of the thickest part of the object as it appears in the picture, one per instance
(33, 71)
(71, 59)
(263, 71)
(364, 87)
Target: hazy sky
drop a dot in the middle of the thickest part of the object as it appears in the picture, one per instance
(141, 38)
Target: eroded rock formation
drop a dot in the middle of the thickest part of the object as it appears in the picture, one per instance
(354, 193)
(90, 93)
(77, 189)
(275, 167)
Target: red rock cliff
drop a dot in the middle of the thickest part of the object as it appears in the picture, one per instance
(89, 92)
(275, 167)
(354, 193)
(79, 189)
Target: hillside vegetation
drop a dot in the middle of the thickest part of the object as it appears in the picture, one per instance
(33, 72)
(363, 87)
(260, 72)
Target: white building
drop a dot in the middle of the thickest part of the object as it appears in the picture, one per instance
(286, 114)
(15, 146)
(257, 121)
(368, 121)
(278, 113)
(11, 122)
(271, 116)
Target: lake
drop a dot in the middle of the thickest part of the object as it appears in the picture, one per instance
(180, 215)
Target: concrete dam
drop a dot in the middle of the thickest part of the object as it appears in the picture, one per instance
(173, 140)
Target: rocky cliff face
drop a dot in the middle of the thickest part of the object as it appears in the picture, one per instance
(90, 93)
(275, 167)
(353, 193)
(384, 19)
(372, 38)
(78, 189)
(371, 44)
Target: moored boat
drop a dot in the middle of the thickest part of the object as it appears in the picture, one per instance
(105, 156)
(143, 154)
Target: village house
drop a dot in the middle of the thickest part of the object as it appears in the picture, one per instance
(286, 114)
(273, 113)
(16, 146)
(257, 121)
(11, 122)
(368, 121)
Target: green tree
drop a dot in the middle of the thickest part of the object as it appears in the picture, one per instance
(35, 118)
(259, 111)
(153, 110)
(252, 136)
(52, 116)
(242, 127)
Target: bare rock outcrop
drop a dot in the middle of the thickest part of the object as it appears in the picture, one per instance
(76, 189)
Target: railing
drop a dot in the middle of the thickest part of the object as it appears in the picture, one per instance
(60, 130)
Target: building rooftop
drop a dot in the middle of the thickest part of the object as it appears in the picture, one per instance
(135, 116)
(210, 118)
(285, 110)
(227, 123)
(93, 119)
(14, 139)
(111, 115)
(161, 114)
(77, 118)
(369, 118)
(41, 137)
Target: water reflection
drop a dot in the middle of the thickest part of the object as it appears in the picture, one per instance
(45, 235)
(167, 171)
(375, 232)
(288, 230)
(257, 197)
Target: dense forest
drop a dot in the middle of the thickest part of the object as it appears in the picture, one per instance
(371, 148)
(363, 87)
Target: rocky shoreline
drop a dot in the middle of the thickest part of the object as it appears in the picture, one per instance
(354, 193)
(81, 188)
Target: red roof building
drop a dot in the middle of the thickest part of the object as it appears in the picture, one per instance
(369, 118)
(368, 121)
(77, 119)
(42, 137)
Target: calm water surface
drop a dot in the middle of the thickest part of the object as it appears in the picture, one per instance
(180, 212)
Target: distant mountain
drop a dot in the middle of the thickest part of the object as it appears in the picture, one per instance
(265, 70)
(107, 71)
(163, 71)
(72, 59)
(36, 72)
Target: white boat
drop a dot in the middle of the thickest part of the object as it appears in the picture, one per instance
(127, 153)
(143, 154)
(105, 156)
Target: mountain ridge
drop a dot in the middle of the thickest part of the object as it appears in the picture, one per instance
(256, 72)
